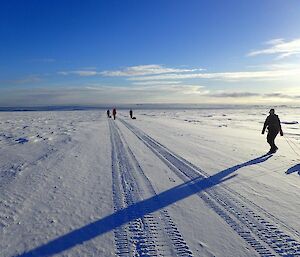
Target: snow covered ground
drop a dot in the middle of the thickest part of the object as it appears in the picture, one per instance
(192, 182)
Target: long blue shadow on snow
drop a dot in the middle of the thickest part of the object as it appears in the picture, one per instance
(136, 210)
(293, 169)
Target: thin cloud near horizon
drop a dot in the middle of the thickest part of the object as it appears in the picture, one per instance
(151, 94)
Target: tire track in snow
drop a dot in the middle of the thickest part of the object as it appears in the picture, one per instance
(152, 234)
(256, 226)
(251, 203)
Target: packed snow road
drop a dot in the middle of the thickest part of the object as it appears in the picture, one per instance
(79, 184)
(251, 222)
(148, 233)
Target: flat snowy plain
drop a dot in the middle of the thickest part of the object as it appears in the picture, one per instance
(170, 183)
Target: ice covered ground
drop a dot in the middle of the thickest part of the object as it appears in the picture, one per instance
(170, 183)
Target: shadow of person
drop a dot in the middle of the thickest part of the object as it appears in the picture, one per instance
(139, 209)
(295, 168)
(224, 173)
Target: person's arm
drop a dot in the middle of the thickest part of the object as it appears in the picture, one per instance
(280, 129)
(265, 125)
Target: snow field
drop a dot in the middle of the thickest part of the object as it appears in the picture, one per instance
(171, 183)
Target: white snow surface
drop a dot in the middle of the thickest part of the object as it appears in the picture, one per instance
(192, 182)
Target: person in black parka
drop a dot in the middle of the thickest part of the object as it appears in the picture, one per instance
(114, 113)
(274, 127)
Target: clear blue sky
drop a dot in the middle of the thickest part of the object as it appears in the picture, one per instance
(95, 52)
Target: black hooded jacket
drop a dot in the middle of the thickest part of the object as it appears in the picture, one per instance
(272, 123)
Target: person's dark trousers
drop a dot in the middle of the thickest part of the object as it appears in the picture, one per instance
(271, 138)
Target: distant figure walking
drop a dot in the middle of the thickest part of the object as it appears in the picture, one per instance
(108, 114)
(114, 113)
(274, 127)
(130, 114)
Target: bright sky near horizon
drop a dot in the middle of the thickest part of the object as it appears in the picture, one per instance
(63, 52)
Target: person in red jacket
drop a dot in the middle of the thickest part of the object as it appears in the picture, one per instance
(114, 113)
(274, 127)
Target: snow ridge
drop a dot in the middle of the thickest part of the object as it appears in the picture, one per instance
(261, 232)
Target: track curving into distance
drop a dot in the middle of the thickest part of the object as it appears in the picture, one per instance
(145, 233)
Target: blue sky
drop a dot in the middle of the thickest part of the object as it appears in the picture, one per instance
(63, 52)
